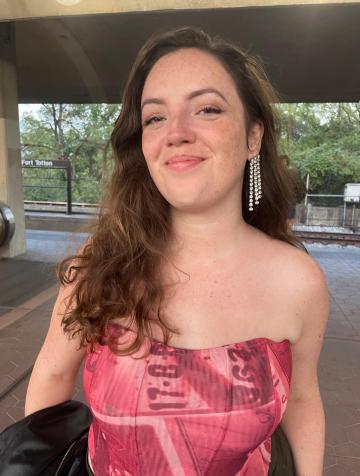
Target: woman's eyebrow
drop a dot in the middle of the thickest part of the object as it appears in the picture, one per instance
(191, 95)
(199, 92)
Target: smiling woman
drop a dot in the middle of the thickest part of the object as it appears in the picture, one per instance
(187, 123)
(192, 247)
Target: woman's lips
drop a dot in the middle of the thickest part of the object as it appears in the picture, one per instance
(184, 163)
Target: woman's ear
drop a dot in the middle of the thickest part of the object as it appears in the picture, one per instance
(255, 135)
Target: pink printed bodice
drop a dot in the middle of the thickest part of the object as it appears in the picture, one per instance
(182, 412)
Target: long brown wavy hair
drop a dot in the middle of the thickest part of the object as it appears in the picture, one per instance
(117, 273)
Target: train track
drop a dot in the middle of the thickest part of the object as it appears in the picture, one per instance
(60, 207)
(329, 238)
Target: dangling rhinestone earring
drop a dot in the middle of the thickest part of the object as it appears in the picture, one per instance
(254, 182)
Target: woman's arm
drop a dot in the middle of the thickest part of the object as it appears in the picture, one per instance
(304, 421)
(54, 375)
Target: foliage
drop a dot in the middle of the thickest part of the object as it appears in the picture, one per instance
(76, 132)
(322, 140)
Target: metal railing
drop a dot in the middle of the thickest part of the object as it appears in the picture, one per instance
(329, 210)
(65, 181)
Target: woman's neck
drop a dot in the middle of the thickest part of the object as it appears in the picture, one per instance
(205, 238)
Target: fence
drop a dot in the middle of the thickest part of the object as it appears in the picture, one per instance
(328, 210)
(55, 174)
(50, 184)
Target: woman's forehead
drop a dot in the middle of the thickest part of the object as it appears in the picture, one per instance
(186, 69)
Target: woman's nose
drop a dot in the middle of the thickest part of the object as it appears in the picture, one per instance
(179, 132)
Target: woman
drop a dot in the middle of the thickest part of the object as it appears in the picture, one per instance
(191, 301)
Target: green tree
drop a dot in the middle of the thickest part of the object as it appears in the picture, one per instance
(76, 132)
(322, 140)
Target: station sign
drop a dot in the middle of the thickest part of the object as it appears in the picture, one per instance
(352, 193)
(49, 164)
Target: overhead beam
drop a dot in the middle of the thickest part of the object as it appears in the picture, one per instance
(27, 9)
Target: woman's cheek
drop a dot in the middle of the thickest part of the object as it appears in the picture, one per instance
(151, 147)
(147, 150)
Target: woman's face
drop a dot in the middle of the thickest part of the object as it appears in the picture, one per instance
(194, 138)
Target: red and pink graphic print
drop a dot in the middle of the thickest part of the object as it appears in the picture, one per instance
(182, 412)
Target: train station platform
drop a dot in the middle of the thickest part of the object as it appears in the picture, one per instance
(28, 290)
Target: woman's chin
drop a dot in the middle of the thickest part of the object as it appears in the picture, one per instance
(190, 207)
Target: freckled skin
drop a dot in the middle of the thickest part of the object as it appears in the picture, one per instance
(182, 126)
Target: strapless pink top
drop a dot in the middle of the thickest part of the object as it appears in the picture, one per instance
(183, 412)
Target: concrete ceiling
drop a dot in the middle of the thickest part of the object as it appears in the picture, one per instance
(311, 52)
(22, 9)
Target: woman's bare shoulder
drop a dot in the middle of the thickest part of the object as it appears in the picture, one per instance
(285, 260)
(303, 282)
(294, 280)
(296, 263)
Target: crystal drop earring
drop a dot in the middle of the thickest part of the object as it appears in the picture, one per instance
(255, 192)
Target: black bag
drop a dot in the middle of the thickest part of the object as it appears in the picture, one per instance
(282, 461)
(49, 442)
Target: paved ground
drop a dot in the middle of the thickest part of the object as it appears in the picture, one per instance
(27, 293)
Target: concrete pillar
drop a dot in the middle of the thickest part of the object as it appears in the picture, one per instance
(11, 189)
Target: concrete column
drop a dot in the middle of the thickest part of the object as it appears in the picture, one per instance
(11, 189)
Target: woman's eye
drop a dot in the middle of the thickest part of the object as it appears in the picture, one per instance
(152, 120)
(210, 110)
